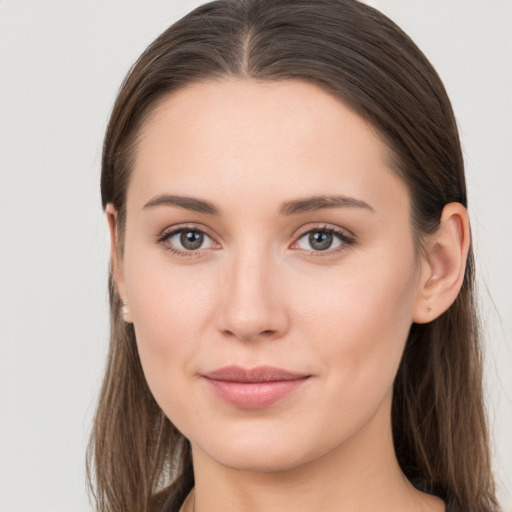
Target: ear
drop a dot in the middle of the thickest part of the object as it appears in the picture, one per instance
(116, 261)
(443, 264)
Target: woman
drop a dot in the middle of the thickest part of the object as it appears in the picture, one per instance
(293, 325)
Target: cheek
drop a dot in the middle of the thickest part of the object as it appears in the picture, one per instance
(171, 308)
(362, 315)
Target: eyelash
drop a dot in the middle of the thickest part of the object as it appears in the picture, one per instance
(345, 240)
(167, 235)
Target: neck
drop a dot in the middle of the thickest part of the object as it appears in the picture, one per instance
(361, 475)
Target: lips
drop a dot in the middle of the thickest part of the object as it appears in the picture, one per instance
(253, 388)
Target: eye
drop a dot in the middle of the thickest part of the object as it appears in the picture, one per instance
(186, 240)
(322, 239)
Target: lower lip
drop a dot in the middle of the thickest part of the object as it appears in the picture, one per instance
(254, 395)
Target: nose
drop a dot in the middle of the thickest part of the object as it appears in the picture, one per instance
(252, 304)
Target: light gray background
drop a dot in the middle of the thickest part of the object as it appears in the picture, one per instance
(61, 63)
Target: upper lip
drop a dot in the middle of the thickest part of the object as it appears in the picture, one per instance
(258, 374)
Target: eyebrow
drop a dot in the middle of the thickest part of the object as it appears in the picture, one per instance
(189, 203)
(295, 207)
(310, 204)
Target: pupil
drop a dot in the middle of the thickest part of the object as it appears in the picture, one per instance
(191, 240)
(320, 240)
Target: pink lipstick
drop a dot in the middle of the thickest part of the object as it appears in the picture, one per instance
(253, 388)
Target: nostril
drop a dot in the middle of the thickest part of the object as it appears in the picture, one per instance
(267, 333)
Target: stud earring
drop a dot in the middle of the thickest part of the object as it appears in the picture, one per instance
(124, 309)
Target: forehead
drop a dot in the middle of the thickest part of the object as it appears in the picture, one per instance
(258, 115)
(251, 137)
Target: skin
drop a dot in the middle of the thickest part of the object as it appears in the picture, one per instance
(257, 293)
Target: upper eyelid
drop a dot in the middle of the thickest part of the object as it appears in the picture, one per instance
(172, 230)
(324, 226)
(345, 236)
(164, 240)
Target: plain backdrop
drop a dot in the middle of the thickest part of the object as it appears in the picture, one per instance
(61, 63)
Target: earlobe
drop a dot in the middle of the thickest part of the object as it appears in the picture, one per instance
(443, 265)
(116, 260)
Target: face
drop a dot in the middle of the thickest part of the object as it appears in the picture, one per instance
(270, 271)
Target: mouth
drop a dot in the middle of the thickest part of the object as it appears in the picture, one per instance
(254, 388)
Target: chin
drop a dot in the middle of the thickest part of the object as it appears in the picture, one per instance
(267, 450)
(260, 459)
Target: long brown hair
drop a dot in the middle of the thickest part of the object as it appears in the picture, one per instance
(137, 460)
